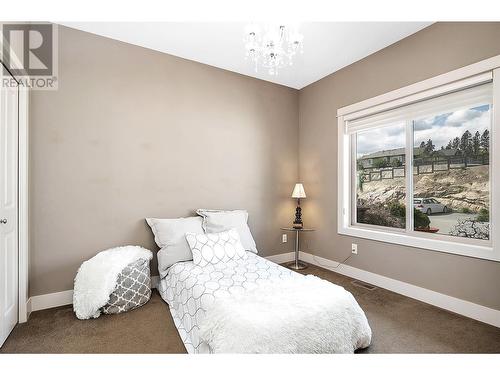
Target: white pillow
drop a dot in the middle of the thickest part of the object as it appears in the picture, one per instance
(213, 248)
(217, 221)
(170, 236)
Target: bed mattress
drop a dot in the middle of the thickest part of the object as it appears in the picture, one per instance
(189, 290)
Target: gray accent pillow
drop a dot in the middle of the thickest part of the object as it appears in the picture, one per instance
(215, 221)
(133, 288)
(170, 236)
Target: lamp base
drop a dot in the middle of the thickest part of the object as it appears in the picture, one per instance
(297, 223)
(299, 266)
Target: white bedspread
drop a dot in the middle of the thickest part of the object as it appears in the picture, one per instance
(273, 308)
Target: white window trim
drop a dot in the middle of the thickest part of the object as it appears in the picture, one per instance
(457, 79)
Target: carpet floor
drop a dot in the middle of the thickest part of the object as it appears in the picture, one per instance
(399, 324)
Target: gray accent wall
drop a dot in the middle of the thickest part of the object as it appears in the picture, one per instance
(435, 50)
(133, 133)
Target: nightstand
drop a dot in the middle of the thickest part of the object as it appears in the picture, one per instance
(297, 264)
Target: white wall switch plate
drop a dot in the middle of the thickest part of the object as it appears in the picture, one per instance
(284, 238)
(354, 248)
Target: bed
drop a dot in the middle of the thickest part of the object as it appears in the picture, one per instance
(253, 305)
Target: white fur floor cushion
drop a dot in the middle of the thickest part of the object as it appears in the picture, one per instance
(96, 278)
(299, 315)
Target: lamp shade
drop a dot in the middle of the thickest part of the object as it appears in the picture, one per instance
(298, 191)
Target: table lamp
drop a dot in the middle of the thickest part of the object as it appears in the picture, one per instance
(298, 192)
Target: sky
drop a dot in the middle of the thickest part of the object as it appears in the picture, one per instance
(439, 128)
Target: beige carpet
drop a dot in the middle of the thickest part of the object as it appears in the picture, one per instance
(399, 324)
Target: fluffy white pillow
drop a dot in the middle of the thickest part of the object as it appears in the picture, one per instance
(217, 221)
(170, 236)
(213, 248)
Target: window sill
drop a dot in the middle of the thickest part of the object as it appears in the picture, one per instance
(423, 241)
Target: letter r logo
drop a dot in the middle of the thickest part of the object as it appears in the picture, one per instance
(33, 46)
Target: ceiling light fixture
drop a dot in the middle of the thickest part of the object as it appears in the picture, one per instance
(272, 46)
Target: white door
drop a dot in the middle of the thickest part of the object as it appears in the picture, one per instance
(8, 208)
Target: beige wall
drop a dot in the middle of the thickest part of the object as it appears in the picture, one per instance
(133, 133)
(437, 49)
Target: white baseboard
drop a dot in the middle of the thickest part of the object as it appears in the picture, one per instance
(28, 310)
(281, 258)
(154, 281)
(456, 305)
(48, 301)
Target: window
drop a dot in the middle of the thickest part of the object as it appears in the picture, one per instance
(381, 147)
(418, 169)
(451, 164)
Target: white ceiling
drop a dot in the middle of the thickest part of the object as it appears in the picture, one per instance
(328, 46)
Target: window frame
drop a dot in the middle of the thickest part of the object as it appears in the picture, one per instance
(484, 71)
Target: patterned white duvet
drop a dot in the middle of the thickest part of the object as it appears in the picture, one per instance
(193, 292)
(189, 290)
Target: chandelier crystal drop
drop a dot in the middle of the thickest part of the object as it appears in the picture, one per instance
(272, 46)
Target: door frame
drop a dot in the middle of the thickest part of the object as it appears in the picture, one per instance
(23, 191)
(23, 203)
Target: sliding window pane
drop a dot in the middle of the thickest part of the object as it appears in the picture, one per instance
(451, 173)
(380, 176)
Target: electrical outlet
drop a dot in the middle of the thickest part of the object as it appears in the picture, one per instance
(354, 248)
(284, 238)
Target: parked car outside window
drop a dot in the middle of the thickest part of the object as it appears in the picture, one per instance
(429, 206)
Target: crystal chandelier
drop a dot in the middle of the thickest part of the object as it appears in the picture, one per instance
(272, 46)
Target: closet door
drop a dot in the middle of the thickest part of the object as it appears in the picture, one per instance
(9, 268)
